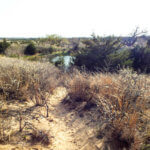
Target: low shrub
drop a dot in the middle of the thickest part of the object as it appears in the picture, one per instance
(3, 46)
(24, 80)
(30, 49)
(40, 137)
(121, 99)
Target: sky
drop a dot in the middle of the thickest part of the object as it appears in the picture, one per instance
(73, 18)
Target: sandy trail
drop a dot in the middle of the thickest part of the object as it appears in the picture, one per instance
(68, 131)
(62, 134)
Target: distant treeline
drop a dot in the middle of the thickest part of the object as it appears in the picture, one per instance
(93, 54)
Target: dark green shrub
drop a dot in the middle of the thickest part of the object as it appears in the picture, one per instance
(30, 49)
(3, 46)
(120, 59)
(96, 53)
(141, 58)
(110, 54)
(51, 49)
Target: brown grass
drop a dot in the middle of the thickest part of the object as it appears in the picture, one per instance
(40, 137)
(121, 99)
(23, 80)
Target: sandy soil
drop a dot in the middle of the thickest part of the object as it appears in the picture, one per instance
(66, 128)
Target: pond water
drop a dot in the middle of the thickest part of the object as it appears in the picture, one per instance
(67, 60)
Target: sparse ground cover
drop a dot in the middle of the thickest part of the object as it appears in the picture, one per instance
(42, 107)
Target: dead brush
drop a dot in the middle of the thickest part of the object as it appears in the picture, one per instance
(79, 87)
(91, 88)
(121, 99)
(126, 98)
(123, 134)
(80, 90)
(123, 93)
(4, 130)
(40, 137)
(147, 137)
(24, 80)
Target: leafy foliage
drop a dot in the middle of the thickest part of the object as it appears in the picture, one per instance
(3, 46)
(120, 59)
(110, 54)
(54, 40)
(141, 59)
(30, 49)
(97, 51)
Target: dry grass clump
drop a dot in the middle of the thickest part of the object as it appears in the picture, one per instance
(4, 137)
(29, 134)
(121, 100)
(41, 137)
(78, 85)
(123, 133)
(15, 50)
(23, 80)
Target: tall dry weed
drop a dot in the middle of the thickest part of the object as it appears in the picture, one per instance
(121, 99)
(24, 80)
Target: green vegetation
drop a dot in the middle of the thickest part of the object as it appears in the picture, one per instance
(3, 46)
(107, 54)
(30, 49)
(53, 40)
(110, 54)
(96, 54)
(141, 58)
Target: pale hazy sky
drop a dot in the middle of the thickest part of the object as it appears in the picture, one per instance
(72, 18)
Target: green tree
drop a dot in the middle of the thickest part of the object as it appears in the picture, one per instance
(3, 46)
(30, 49)
(54, 39)
(96, 54)
(120, 59)
(141, 58)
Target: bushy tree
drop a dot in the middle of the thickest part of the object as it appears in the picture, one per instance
(54, 39)
(111, 54)
(141, 59)
(96, 54)
(3, 46)
(30, 49)
(120, 59)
